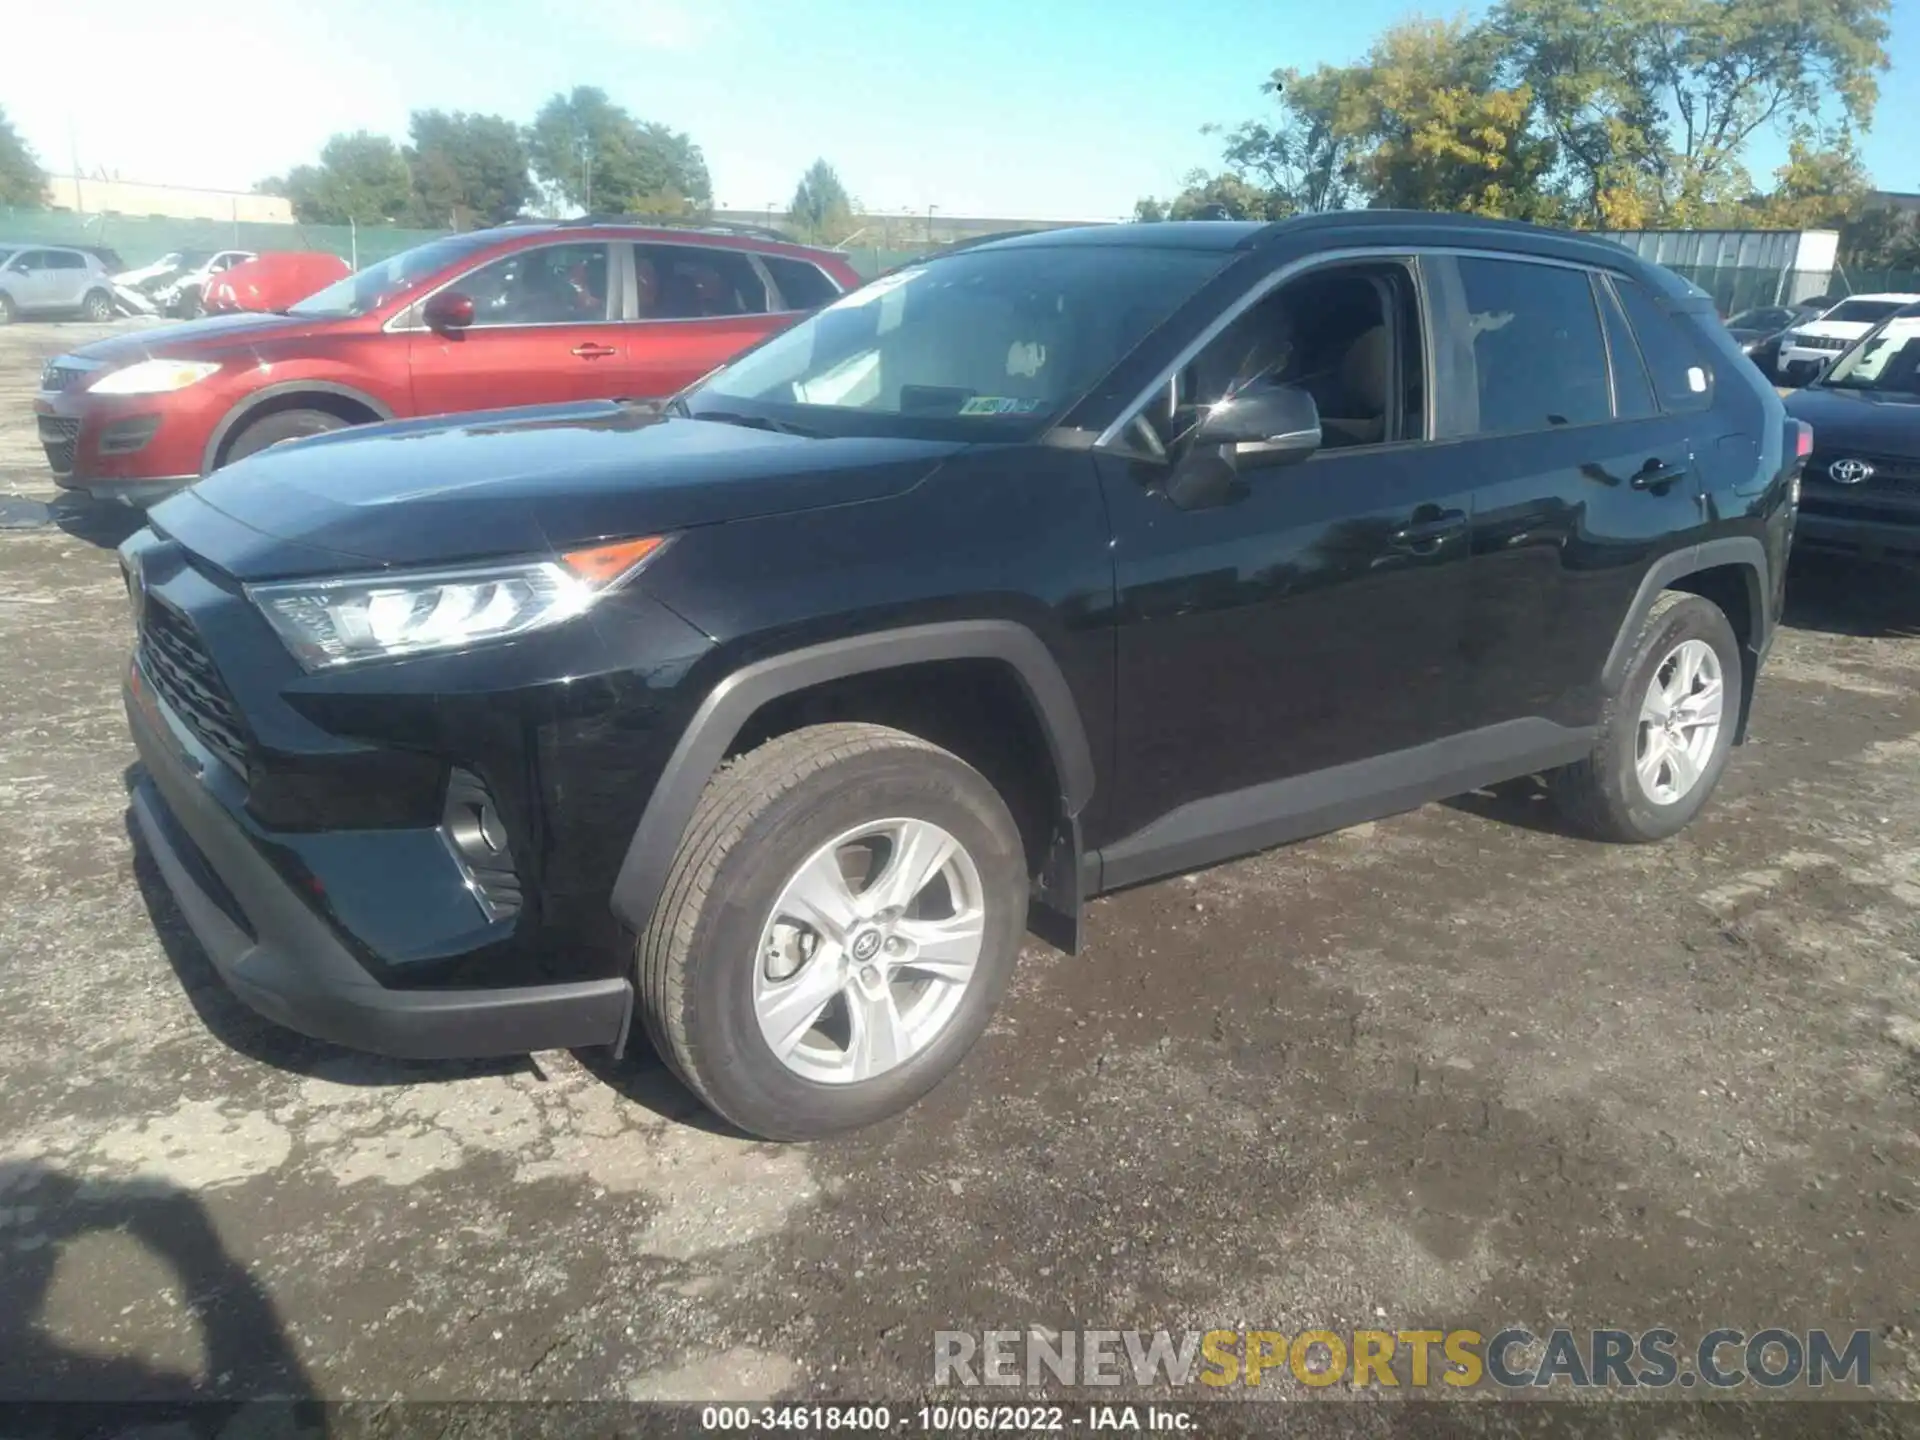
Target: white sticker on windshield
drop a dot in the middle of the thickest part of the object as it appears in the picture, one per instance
(1025, 359)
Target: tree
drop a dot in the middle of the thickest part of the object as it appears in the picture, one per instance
(22, 181)
(360, 177)
(1653, 102)
(822, 211)
(466, 169)
(1432, 129)
(595, 155)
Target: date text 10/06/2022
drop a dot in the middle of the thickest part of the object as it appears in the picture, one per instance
(946, 1419)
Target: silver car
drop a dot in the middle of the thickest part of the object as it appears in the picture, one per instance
(52, 280)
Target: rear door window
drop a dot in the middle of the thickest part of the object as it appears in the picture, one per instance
(1682, 372)
(802, 286)
(696, 282)
(66, 260)
(1539, 359)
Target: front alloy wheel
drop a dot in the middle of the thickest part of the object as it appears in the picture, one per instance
(842, 916)
(869, 951)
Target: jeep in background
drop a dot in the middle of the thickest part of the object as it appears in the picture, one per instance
(519, 314)
(766, 725)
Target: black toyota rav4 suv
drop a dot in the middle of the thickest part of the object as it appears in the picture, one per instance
(768, 723)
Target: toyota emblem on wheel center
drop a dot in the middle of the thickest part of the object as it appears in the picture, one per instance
(1850, 472)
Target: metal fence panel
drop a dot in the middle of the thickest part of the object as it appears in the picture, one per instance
(142, 239)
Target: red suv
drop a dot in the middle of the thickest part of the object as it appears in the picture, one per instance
(518, 315)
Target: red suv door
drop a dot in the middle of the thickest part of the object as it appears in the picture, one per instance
(545, 328)
(696, 306)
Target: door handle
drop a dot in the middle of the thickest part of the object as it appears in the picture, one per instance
(1655, 473)
(591, 351)
(1425, 535)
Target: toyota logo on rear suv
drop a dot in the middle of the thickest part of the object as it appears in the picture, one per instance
(1850, 472)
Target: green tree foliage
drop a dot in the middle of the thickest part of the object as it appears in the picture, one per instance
(466, 170)
(22, 181)
(822, 211)
(1616, 113)
(593, 154)
(360, 177)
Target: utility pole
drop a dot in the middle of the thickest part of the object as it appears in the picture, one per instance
(585, 146)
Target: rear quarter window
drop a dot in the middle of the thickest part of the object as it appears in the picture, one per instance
(1678, 361)
(802, 286)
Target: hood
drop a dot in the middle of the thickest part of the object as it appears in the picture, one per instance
(1834, 329)
(516, 482)
(200, 337)
(1874, 422)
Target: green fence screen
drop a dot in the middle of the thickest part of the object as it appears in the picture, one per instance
(141, 239)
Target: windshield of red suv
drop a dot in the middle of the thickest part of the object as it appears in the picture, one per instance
(365, 291)
(987, 344)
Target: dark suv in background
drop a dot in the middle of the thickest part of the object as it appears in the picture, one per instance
(768, 724)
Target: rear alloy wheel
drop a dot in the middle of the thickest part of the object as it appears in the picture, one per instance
(1667, 730)
(97, 307)
(838, 925)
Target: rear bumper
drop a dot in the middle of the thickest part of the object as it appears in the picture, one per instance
(1869, 539)
(282, 959)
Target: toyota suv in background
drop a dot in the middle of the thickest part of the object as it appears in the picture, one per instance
(521, 314)
(1862, 486)
(1808, 346)
(53, 280)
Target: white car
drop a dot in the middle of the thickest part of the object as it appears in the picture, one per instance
(1811, 344)
(183, 296)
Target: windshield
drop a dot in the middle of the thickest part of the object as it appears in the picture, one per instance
(1869, 312)
(986, 344)
(365, 291)
(1887, 360)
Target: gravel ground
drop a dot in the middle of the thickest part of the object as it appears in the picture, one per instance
(1454, 1068)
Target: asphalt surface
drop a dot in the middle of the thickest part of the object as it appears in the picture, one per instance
(1453, 1068)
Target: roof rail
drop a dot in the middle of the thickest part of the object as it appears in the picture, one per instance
(682, 222)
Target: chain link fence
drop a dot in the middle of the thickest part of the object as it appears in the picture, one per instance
(142, 239)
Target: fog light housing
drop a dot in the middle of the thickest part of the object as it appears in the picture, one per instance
(477, 836)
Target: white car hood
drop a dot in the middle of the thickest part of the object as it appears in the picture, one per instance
(1835, 329)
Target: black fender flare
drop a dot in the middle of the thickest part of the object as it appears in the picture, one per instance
(1740, 550)
(733, 701)
(239, 414)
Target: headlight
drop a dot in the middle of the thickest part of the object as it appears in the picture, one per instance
(330, 622)
(153, 377)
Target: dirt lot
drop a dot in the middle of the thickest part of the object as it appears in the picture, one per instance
(1455, 1068)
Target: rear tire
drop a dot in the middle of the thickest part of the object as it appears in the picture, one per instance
(1665, 734)
(281, 425)
(731, 966)
(97, 307)
(7, 311)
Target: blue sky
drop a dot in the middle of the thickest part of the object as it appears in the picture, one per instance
(1022, 108)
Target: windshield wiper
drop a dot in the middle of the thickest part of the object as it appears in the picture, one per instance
(678, 406)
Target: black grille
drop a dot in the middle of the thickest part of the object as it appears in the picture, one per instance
(57, 377)
(1820, 342)
(183, 673)
(59, 438)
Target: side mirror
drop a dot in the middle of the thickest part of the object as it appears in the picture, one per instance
(449, 310)
(1265, 424)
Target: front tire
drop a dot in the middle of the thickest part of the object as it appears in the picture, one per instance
(840, 921)
(281, 425)
(1666, 733)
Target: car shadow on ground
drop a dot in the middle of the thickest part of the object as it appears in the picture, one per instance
(640, 1076)
(1833, 596)
(97, 522)
(248, 1355)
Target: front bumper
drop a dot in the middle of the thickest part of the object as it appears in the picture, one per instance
(132, 447)
(1868, 539)
(282, 959)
